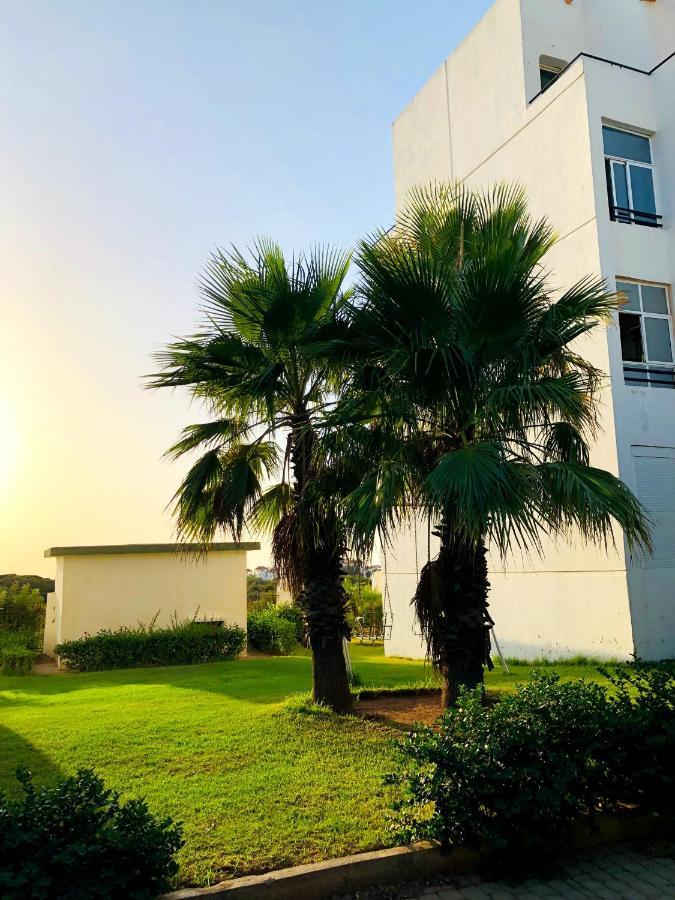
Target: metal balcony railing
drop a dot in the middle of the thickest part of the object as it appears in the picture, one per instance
(635, 217)
(649, 376)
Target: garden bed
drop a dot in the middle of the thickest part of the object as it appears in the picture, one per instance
(404, 708)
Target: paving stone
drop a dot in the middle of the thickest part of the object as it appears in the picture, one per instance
(617, 874)
(647, 875)
(475, 892)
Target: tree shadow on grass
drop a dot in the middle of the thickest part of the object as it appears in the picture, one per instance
(256, 679)
(16, 752)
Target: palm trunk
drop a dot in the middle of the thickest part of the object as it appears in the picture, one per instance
(324, 601)
(313, 569)
(451, 604)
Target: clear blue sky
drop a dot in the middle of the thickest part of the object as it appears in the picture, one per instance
(136, 136)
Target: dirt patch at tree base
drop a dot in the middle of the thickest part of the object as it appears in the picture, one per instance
(402, 710)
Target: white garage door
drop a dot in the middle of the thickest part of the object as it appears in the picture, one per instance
(655, 477)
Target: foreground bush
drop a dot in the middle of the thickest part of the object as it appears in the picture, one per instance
(272, 630)
(77, 841)
(516, 776)
(182, 644)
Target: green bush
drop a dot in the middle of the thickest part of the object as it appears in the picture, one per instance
(20, 638)
(17, 660)
(295, 615)
(517, 775)
(643, 732)
(22, 611)
(271, 631)
(77, 841)
(184, 643)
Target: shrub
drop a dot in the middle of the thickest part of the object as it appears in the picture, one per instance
(20, 638)
(293, 614)
(271, 631)
(22, 610)
(77, 841)
(17, 660)
(184, 643)
(517, 775)
(643, 732)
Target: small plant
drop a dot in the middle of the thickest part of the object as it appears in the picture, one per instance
(184, 643)
(515, 776)
(17, 660)
(77, 841)
(271, 631)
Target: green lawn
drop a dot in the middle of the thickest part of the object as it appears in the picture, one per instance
(257, 785)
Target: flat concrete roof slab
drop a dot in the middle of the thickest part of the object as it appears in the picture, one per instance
(110, 549)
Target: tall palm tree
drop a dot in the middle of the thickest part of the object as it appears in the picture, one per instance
(461, 354)
(253, 366)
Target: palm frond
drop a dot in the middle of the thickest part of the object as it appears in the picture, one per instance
(208, 434)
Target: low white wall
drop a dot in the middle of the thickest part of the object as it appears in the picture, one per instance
(100, 588)
(550, 615)
(50, 641)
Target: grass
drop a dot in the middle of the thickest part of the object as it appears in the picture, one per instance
(257, 783)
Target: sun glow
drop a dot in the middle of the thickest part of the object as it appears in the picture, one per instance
(7, 442)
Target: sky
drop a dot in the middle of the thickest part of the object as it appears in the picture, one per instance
(135, 137)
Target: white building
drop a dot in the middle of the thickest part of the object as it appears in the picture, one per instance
(575, 100)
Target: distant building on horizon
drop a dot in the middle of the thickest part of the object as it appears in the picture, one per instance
(575, 101)
(266, 573)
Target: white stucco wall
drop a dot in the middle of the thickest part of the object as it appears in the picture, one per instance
(475, 122)
(644, 417)
(110, 587)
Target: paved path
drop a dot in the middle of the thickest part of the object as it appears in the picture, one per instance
(610, 874)
(635, 872)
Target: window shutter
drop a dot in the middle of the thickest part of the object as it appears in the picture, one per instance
(656, 491)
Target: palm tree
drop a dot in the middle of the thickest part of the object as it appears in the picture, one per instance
(253, 366)
(462, 356)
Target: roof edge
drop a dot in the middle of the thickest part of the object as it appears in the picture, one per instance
(118, 549)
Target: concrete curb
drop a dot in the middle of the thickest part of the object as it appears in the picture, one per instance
(318, 881)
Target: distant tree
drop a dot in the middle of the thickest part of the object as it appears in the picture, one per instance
(261, 591)
(43, 585)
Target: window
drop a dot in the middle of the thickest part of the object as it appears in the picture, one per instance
(547, 76)
(646, 335)
(630, 177)
(549, 70)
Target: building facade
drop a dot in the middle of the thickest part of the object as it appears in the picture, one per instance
(124, 585)
(575, 100)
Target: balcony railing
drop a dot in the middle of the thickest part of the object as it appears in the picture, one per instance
(635, 217)
(649, 376)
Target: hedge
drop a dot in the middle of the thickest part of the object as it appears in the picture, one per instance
(182, 644)
(517, 775)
